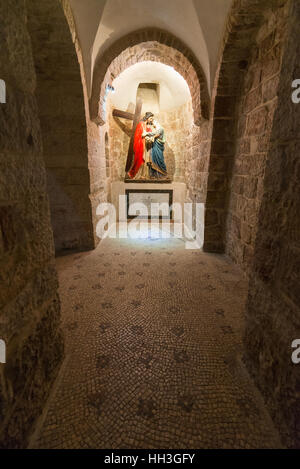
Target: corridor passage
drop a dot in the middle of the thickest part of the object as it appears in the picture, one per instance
(153, 352)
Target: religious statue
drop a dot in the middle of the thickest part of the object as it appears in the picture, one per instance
(145, 159)
(148, 149)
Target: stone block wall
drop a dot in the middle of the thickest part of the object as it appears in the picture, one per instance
(98, 189)
(197, 162)
(244, 100)
(273, 309)
(178, 124)
(255, 113)
(29, 303)
(62, 115)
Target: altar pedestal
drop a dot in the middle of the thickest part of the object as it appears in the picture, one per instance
(174, 193)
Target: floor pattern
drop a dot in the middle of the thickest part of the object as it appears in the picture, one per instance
(153, 352)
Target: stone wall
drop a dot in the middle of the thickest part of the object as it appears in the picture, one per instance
(178, 124)
(187, 151)
(62, 115)
(255, 112)
(273, 311)
(29, 304)
(99, 181)
(244, 100)
(198, 162)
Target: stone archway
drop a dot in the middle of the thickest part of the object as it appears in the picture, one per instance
(244, 105)
(149, 45)
(61, 106)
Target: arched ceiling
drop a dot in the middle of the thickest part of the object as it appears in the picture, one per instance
(174, 90)
(198, 23)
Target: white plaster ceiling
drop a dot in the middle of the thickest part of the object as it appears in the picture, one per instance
(173, 89)
(198, 23)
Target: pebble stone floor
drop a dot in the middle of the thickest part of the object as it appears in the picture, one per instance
(153, 353)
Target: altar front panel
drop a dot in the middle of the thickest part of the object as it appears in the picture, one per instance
(158, 193)
(154, 203)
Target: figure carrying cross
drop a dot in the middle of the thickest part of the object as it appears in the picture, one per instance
(145, 160)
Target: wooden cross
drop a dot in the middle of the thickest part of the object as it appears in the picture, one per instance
(136, 117)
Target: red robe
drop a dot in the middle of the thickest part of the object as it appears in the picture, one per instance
(138, 149)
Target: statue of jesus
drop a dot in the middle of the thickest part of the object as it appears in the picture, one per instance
(149, 144)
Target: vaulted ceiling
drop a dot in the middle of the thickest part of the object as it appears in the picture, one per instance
(173, 89)
(198, 23)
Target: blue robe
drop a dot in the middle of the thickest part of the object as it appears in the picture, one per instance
(158, 166)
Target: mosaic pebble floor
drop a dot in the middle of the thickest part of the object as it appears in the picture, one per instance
(153, 352)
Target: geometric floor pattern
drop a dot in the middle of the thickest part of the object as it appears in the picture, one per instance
(153, 353)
